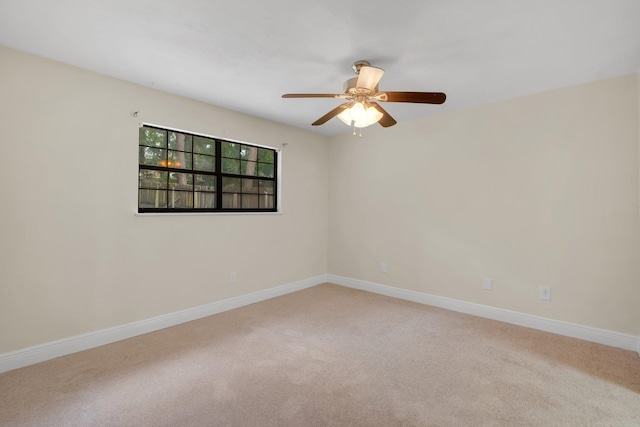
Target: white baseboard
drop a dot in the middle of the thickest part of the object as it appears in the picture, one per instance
(40, 353)
(610, 338)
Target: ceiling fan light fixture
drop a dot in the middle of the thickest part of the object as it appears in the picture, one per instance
(361, 93)
(360, 115)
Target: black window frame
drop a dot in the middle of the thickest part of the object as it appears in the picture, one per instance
(218, 173)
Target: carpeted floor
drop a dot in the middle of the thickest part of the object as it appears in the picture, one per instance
(331, 356)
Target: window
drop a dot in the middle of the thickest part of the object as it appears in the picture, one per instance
(182, 172)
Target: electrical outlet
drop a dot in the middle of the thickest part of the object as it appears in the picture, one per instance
(487, 284)
(233, 277)
(544, 293)
(383, 267)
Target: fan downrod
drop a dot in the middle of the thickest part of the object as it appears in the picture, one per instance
(359, 64)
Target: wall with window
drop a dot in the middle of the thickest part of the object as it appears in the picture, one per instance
(541, 190)
(74, 256)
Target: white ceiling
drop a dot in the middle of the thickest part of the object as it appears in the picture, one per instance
(243, 55)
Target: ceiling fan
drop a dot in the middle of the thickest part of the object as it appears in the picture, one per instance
(361, 93)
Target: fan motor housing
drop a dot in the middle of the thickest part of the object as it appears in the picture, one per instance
(350, 87)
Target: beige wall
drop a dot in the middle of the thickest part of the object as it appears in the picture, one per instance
(541, 190)
(74, 256)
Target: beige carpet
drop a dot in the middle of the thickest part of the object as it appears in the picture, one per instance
(331, 356)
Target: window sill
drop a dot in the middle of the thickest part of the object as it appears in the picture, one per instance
(204, 213)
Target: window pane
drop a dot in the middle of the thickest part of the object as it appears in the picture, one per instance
(204, 146)
(151, 156)
(205, 183)
(230, 200)
(179, 141)
(267, 187)
(230, 185)
(267, 201)
(265, 169)
(204, 200)
(153, 137)
(230, 150)
(179, 199)
(150, 199)
(178, 160)
(265, 156)
(249, 185)
(180, 181)
(248, 168)
(247, 152)
(152, 179)
(231, 166)
(204, 163)
(249, 201)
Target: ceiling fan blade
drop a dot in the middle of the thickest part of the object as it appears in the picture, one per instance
(311, 95)
(331, 114)
(386, 119)
(415, 97)
(369, 77)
